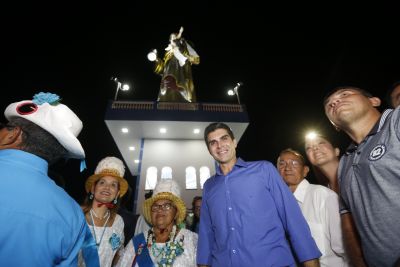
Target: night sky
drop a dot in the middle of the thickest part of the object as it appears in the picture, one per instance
(287, 58)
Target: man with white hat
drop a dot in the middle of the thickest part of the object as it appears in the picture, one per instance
(40, 224)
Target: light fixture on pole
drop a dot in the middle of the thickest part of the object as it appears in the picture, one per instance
(235, 91)
(120, 86)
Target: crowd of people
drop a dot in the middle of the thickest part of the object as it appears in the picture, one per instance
(249, 214)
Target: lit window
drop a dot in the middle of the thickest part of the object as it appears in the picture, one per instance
(191, 179)
(204, 175)
(151, 178)
(166, 173)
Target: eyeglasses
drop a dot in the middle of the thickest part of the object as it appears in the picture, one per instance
(163, 207)
(27, 108)
(294, 163)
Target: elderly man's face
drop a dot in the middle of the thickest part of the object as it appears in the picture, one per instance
(291, 169)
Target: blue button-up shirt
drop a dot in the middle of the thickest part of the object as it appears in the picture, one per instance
(247, 218)
(40, 225)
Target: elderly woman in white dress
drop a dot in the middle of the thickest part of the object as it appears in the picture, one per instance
(165, 244)
(105, 188)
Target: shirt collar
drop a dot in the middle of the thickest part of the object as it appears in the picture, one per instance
(24, 159)
(376, 129)
(300, 192)
(239, 163)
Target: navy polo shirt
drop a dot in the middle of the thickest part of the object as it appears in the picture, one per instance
(369, 175)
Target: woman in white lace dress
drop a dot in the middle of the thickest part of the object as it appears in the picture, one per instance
(104, 189)
(165, 244)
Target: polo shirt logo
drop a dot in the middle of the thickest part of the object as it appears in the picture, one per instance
(377, 152)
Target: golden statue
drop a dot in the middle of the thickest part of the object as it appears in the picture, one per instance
(176, 70)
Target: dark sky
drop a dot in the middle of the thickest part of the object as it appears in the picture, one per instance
(287, 57)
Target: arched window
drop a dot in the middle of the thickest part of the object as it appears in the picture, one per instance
(191, 179)
(151, 178)
(166, 173)
(204, 175)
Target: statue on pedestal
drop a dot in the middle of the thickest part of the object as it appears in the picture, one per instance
(176, 70)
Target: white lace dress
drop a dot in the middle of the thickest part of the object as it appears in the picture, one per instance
(186, 259)
(111, 243)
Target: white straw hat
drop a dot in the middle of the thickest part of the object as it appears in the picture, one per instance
(109, 166)
(166, 189)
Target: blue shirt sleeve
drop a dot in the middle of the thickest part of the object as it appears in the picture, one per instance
(205, 242)
(296, 227)
(72, 242)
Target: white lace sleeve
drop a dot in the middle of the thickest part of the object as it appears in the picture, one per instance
(188, 258)
(126, 259)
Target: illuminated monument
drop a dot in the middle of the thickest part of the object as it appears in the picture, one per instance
(164, 139)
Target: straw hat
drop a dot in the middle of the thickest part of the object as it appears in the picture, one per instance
(109, 166)
(46, 111)
(166, 189)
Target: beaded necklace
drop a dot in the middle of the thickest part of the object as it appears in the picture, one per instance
(165, 255)
(95, 214)
(94, 230)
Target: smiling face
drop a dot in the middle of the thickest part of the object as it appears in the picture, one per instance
(222, 147)
(320, 151)
(163, 214)
(106, 189)
(292, 169)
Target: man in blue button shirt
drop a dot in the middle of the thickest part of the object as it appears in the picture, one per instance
(248, 215)
(40, 224)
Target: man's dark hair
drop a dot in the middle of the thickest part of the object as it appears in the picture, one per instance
(294, 152)
(38, 141)
(215, 126)
(126, 200)
(334, 90)
(194, 201)
(148, 194)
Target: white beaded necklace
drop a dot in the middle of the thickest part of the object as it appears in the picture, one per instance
(104, 226)
(95, 214)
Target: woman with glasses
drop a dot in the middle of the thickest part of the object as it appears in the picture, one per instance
(164, 244)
